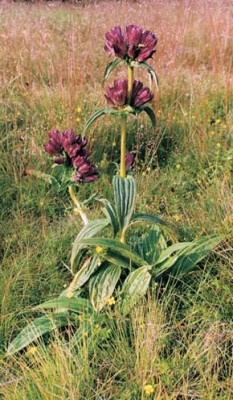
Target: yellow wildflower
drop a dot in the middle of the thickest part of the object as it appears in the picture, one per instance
(178, 166)
(111, 301)
(148, 169)
(79, 110)
(176, 217)
(218, 121)
(218, 145)
(148, 389)
(143, 173)
(99, 249)
(78, 120)
(113, 144)
(32, 350)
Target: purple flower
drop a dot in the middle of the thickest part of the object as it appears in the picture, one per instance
(54, 145)
(132, 36)
(115, 42)
(69, 149)
(117, 94)
(140, 95)
(134, 43)
(129, 160)
(86, 172)
(146, 46)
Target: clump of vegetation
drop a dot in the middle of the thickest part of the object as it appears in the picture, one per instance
(177, 342)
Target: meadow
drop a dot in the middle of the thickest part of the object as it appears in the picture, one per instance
(177, 343)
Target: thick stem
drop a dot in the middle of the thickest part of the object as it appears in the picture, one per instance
(78, 206)
(123, 146)
(130, 83)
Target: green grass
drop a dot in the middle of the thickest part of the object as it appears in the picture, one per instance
(179, 339)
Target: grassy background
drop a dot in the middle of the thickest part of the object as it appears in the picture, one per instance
(51, 62)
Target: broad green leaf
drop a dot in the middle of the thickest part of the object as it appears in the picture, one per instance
(111, 66)
(172, 249)
(36, 329)
(111, 214)
(185, 259)
(88, 231)
(164, 267)
(78, 305)
(190, 256)
(125, 195)
(150, 245)
(81, 277)
(147, 218)
(115, 246)
(102, 285)
(148, 110)
(148, 67)
(97, 114)
(115, 258)
(134, 287)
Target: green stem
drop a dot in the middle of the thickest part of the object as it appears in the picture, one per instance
(123, 146)
(130, 83)
(78, 205)
(123, 132)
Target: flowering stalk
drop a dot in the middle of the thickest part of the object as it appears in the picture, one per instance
(78, 206)
(123, 122)
(123, 146)
(130, 83)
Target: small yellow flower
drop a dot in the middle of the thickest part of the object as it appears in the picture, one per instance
(113, 144)
(224, 126)
(218, 121)
(176, 217)
(143, 173)
(78, 120)
(32, 350)
(218, 145)
(111, 301)
(193, 117)
(148, 389)
(148, 169)
(79, 110)
(99, 249)
(178, 166)
(212, 133)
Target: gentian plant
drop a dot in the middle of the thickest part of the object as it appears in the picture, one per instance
(114, 259)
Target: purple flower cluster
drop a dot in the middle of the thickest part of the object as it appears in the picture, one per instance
(117, 94)
(69, 149)
(133, 43)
